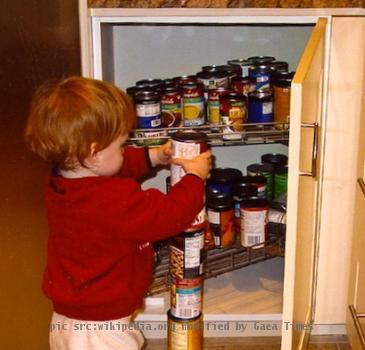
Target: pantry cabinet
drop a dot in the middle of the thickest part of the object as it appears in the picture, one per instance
(125, 45)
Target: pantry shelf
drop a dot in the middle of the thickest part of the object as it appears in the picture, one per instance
(219, 261)
(251, 134)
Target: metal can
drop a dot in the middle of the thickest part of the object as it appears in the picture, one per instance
(171, 107)
(243, 85)
(183, 79)
(150, 83)
(185, 254)
(222, 179)
(275, 159)
(243, 63)
(261, 76)
(254, 222)
(278, 66)
(266, 170)
(221, 220)
(213, 79)
(232, 108)
(148, 109)
(232, 70)
(214, 116)
(260, 107)
(280, 181)
(186, 297)
(258, 180)
(184, 334)
(261, 59)
(193, 104)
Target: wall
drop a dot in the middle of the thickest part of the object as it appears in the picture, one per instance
(37, 42)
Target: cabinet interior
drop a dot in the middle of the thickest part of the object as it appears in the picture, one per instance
(135, 51)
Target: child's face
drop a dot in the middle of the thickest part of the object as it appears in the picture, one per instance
(109, 160)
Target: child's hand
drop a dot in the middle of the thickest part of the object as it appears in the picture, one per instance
(161, 155)
(200, 165)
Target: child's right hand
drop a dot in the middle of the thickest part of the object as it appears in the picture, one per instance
(200, 165)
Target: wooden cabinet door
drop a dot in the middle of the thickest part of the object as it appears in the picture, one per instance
(303, 191)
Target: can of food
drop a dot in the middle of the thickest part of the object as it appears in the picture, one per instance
(278, 66)
(184, 334)
(261, 59)
(233, 110)
(150, 83)
(243, 63)
(148, 110)
(280, 181)
(240, 191)
(214, 116)
(213, 79)
(171, 107)
(254, 222)
(232, 70)
(193, 104)
(183, 79)
(266, 170)
(186, 297)
(221, 220)
(259, 181)
(131, 91)
(222, 179)
(261, 76)
(243, 85)
(275, 159)
(185, 254)
(282, 89)
(260, 107)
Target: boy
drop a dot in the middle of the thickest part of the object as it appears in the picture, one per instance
(101, 222)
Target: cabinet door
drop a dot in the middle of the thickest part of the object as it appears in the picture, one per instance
(303, 191)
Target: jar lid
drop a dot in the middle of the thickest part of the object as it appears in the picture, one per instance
(255, 202)
(260, 168)
(150, 82)
(184, 79)
(279, 66)
(224, 175)
(276, 159)
(259, 68)
(220, 203)
(261, 59)
(144, 95)
(241, 190)
(131, 91)
(189, 136)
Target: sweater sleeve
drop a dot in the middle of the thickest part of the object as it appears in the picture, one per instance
(136, 163)
(151, 215)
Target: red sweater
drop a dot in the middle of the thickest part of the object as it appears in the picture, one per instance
(100, 261)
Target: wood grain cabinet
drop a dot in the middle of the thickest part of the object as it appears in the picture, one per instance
(326, 48)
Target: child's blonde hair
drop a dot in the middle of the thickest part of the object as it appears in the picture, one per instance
(68, 117)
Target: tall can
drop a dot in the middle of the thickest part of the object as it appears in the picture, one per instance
(171, 106)
(266, 170)
(260, 107)
(214, 117)
(188, 144)
(243, 85)
(243, 63)
(261, 75)
(193, 104)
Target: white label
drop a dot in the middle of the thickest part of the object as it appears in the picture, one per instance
(253, 224)
(148, 109)
(188, 302)
(267, 107)
(192, 251)
(213, 217)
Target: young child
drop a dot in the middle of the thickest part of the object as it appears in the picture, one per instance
(101, 223)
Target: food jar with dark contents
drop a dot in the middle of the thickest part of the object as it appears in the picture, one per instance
(188, 144)
(186, 297)
(193, 104)
(220, 212)
(222, 179)
(148, 109)
(183, 79)
(254, 222)
(214, 117)
(150, 83)
(243, 63)
(260, 107)
(280, 180)
(278, 66)
(233, 111)
(275, 159)
(213, 79)
(266, 170)
(257, 180)
(243, 85)
(282, 89)
(184, 334)
(185, 254)
(171, 106)
(261, 76)
(261, 59)
(241, 191)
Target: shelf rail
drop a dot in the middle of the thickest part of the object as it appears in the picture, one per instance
(355, 317)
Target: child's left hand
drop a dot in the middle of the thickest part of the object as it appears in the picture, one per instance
(161, 155)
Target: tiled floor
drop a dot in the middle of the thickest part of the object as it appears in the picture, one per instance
(259, 343)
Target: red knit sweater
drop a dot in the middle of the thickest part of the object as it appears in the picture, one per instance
(100, 261)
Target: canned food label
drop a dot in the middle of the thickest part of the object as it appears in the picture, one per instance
(267, 108)
(253, 226)
(193, 111)
(222, 226)
(185, 335)
(213, 217)
(186, 303)
(193, 246)
(147, 110)
(149, 122)
(215, 83)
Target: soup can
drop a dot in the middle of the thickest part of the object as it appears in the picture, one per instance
(214, 116)
(260, 107)
(243, 85)
(193, 104)
(257, 180)
(232, 70)
(184, 334)
(171, 107)
(186, 297)
(183, 79)
(222, 179)
(243, 63)
(213, 79)
(261, 76)
(232, 108)
(254, 222)
(266, 170)
(185, 254)
(221, 220)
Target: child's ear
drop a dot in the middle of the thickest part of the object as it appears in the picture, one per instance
(93, 152)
